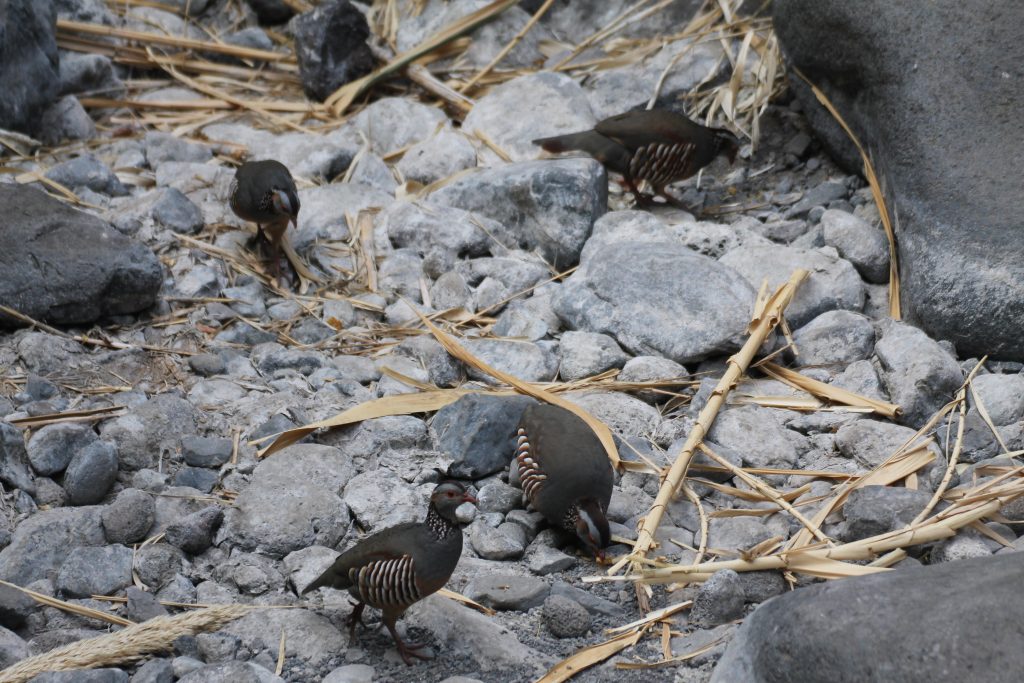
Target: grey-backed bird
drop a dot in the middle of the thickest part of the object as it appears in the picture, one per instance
(656, 145)
(263, 192)
(396, 567)
(565, 473)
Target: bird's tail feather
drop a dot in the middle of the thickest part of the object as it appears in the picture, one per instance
(564, 143)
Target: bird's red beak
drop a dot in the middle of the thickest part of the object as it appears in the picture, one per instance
(469, 498)
(600, 555)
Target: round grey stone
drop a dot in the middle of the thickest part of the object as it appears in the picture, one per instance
(564, 617)
(91, 473)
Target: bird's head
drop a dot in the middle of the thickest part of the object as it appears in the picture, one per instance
(592, 527)
(285, 203)
(448, 496)
(726, 143)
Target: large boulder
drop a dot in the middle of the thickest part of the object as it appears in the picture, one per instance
(934, 92)
(29, 63)
(330, 43)
(888, 627)
(60, 265)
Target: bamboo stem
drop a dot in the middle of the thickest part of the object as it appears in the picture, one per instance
(737, 365)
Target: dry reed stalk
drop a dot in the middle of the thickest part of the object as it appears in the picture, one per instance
(737, 365)
(589, 656)
(895, 309)
(147, 38)
(72, 608)
(541, 11)
(828, 391)
(90, 415)
(127, 645)
(344, 96)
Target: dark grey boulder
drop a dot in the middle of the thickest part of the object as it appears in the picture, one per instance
(91, 473)
(14, 463)
(885, 627)
(478, 433)
(330, 44)
(29, 63)
(60, 265)
(933, 90)
(271, 11)
(42, 542)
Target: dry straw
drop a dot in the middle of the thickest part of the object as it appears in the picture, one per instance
(127, 645)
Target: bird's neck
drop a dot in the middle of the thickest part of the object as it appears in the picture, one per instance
(440, 527)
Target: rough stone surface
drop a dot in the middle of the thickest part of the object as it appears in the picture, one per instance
(91, 473)
(150, 430)
(830, 632)
(919, 375)
(330, 44)
(565, 617)
(835, 338)
(507, 591)
(864, 246)
(549, 206)
(109, 274)
(29, 63)
(129, 517)
(719, 600)
(961, 284)
(95, 571)
(42, 542)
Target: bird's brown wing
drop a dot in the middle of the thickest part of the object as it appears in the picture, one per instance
(637, 129)
(385, 545)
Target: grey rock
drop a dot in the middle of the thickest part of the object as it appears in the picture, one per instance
(306, 565)
(1002, 396)
(548, 206)
(537, 105)
(423, 227)
(844, 637)
(719, 600)
(564, 617)
(818, 196)
(959, 284)
(497, 496)
(517, 271)
(391, 123)
(379, 499)
(835, 337)
(859, 243)
(871, 442)
(158, 564)
(735, 533)
(109, 274)
(525, 360)
(129, 518)
(217, 647)
(83, 676)
(451, 291)
(584, 354)
(919, 375)
(306, 155)
(497, 543)
(314, 640)
(160, 147)
(624, 414)
(351, 673)
(370, 170)
(507, 591)
(833, 283)
(95, 571)
(655, 309)
(41, 543)
(66, 119)
(477, 432)
(53, 447)
(194, 533)
(627, 502)
(30, 64)
(91, 473)
(760, 586)
(271, 11)
(543, 560)
(12, 648)
(14, 463)
(592, 603)
(292, 501)
(756, 435)
(177, 213)
(330, 44)
(155, 671)
(87, 171)
(142, 605)
(960, 547)
(231, 672)
(206, 451)
(324, 208)
(873, 510)
(460, 631)
(15, 607)
(442, 155)
(149, 430)
(710, 643)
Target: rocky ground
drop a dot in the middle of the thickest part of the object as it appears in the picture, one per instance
(158, 495)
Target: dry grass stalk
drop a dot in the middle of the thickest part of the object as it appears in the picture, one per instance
(829, 392)
(91, 415)
(895, 309)
(468, 602)
(127, 645)
(541, 11)
(344, 96)
(70, 607)
(589, 656)
(737, 365)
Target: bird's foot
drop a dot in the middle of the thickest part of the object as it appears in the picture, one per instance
(409, 650)
(356, 618)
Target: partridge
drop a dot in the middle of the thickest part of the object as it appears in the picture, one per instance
(263, 192)
(659, 146)
(565, 473)
(394, 568)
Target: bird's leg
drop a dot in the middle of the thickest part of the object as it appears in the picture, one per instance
(355, 618)
(674, 201)
(405, 650)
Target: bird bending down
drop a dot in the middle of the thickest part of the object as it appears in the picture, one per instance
(396, 567)
(565, 473)
(656, 145)
(263, 192)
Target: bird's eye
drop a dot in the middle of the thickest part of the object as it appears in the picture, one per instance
(450, 494)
